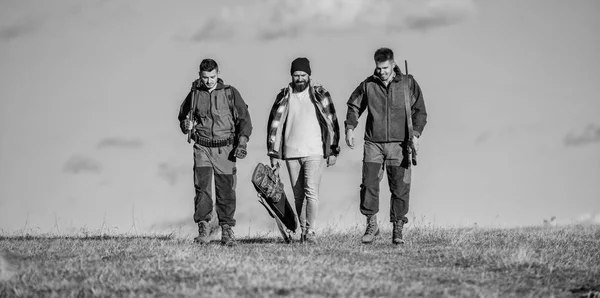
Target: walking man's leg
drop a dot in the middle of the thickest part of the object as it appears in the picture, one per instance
(296, 172)
(369, 189)
(396, 168)
(225, 194)
(313, 169)
(203, 204)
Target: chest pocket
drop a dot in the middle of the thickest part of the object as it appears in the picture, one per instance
(225, 102)
(202, 104)
(220, 104)
(397, 97)
(223, 117)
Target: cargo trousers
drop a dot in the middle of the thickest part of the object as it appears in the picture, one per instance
(217, 162)
(393, 158)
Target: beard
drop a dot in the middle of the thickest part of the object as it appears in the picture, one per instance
(299, 86)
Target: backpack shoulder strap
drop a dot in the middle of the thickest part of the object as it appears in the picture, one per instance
(231, 100)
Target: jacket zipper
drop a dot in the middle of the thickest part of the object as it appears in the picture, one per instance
(212, 115)
(387, 108)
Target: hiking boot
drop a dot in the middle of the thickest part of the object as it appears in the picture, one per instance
(372, 229)
(227, 236)
(309, 237)
(397, 232)
(202, 233)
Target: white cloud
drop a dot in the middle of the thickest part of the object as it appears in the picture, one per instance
(81, 164)
(583, 136)
(274, 19)
(440, 13)
(120, 143)
(19, 29)
(171, 173)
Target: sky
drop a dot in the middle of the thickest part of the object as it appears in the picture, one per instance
(90, 91)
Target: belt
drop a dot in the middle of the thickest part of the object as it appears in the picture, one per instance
(213, 142)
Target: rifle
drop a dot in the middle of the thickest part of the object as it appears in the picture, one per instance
(190, 116)
(412, 152)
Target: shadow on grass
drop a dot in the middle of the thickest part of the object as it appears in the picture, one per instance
(261, 240)
(587, 291)
(89, 237)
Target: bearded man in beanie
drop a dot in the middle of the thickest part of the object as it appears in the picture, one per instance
(220, 126)
(386, 139)
(303, 130)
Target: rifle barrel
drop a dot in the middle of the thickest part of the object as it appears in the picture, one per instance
(189, 140)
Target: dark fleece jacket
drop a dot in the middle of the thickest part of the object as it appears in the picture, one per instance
(386, 120)
(216, 116)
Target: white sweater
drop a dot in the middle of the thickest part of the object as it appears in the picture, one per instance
(302, 130)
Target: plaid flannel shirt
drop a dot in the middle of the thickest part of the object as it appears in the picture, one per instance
(328, 122)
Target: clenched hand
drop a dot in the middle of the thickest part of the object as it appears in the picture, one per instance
(331, 160)
(350, 138)
(240, 150)
(416, 143)
(274, 162)
(187, 125)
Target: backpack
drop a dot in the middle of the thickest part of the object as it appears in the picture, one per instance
(271, 194)
(267, 183)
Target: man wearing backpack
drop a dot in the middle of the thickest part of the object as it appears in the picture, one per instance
(216, 117)
(303, 129)
(389, 96)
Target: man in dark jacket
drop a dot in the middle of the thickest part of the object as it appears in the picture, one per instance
(386, 139)
(220, 126)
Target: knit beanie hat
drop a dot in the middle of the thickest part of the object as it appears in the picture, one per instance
(301, 64)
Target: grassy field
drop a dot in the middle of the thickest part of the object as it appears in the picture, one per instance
(434, 262)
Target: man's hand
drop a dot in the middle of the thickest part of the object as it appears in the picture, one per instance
(331, 160)
(274, 162)
(415, 141)
(187, 125)
(350, 138)
(240, 150)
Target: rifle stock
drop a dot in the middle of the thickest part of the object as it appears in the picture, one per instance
(412, 152)
(189, 134)
(190, 116)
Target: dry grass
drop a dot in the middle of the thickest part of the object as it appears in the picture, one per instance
(434, 262)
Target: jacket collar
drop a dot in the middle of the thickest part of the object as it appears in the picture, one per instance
(312, 85)
(397, 77)
(198, 84)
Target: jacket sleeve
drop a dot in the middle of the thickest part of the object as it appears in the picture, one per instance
(243, 123)
(356, 106)
(419, 113)
(184, 110)
(330, 110)
(270, 122)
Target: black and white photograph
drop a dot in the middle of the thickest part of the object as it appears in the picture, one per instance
(299, 148)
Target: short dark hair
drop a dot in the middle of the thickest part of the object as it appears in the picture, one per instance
(208, 65)
(383, 54)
